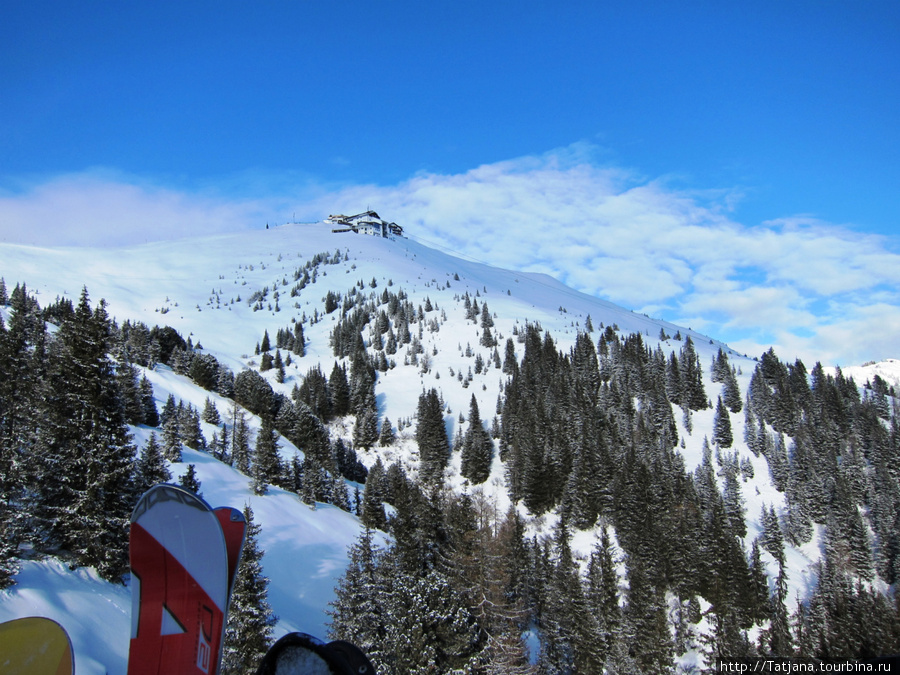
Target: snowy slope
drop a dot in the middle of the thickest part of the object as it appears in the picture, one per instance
(888, 370)
(201, 288)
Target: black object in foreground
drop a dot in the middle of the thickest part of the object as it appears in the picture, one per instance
(302, 654)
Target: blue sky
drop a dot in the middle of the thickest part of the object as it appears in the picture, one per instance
(709, 127)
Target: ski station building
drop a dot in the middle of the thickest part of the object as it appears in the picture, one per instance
(365, 223)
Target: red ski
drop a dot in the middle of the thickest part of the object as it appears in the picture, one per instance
(234, 527)
(180, 584)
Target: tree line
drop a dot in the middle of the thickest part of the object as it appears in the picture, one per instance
(590, 435)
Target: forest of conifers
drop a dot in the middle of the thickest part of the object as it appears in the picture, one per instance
(589, 435)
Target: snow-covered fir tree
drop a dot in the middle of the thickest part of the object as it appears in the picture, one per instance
(151, 466)
(189, 480)
(248, 631)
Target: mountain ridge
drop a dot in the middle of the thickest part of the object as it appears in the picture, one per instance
(220, 292)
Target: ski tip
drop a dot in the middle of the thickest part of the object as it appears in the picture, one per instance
(35, 644)
(234, 515)
(352, 656)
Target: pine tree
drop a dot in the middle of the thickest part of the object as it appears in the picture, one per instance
(148, 403)
(358, 613)
(211, 413)
(312, 487)
(431, 628)
(731, 392)
(645, 616)
(365, 430)
(339, 495)
(722, 435)
(170, 407)
(431, 437)
(386, 436)
(85, 474)
(240, 440)
(477, 448)
(373, 515)
(9, 563)
(171, 439)
(299, 344)
(189, 480)
(248, 632)
(339, 390)
(151, 467)
(510, 363)
(22, 376)
(189, 427)
(130, 393)
(603, 594)
(266, 461)
(693, 394)
(759, 585)
(572, 639)
(487, 338)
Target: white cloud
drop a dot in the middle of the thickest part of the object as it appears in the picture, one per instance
(798, 283)
(96, 209)
(808, 288)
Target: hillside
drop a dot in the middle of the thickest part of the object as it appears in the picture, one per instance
(226, 294)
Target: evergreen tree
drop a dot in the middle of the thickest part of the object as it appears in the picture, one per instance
(172, 439)
(347, 463)
(248, 631)
(645, 617)
(365, 430)
(572, 639)
(148, 403)
(151, 467)
(130, 393)
(170, 408)
(240, 440)
(266, 461)
(299, 343)
(603, 594)
(211, 413)
(719, 369)
(359, 612)
(339, 390)
(477, 448)
(693, 394)
(314, 391)
(86, 459)
(431, 437)
(487, 338)
(373, 515)
(189, 480)
(759, 585)
(722, 435)
(431, 629)
(386, 436)
(731, 392)
(510, 363)
(312, 486)
(9, 564)
(23, 372)
(189, 427)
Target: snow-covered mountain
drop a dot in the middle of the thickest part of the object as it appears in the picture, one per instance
(226, 292)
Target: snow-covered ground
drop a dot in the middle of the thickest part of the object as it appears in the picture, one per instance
(201, 287)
